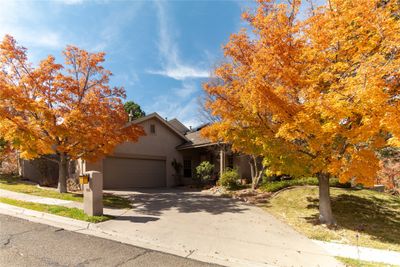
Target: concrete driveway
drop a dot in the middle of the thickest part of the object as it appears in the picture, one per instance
(214, 229)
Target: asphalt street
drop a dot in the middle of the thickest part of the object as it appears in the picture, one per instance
(24, 243)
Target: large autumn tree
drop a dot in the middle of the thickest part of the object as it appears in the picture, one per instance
(320, 94)
(68, 110)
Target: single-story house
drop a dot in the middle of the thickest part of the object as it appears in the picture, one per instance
(149, 162)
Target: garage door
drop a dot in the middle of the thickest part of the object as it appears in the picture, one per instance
(122, 173)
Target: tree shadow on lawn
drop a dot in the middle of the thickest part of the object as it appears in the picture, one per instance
(14, 180)
(376, 217)
(154, 203)
(32, 186)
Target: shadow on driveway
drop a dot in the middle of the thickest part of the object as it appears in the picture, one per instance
(155, 201)
(136, 219)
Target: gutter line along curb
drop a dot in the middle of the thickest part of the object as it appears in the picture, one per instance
(38, 216)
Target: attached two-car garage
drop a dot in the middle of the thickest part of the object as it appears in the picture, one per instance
(123, 173)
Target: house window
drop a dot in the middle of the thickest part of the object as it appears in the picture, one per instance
(187, 168)
(152, 129)
(230, 162)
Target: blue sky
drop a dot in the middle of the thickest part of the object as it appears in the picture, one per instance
(160, 51)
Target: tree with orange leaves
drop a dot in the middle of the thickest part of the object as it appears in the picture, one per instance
(320, 95)
(69, 110)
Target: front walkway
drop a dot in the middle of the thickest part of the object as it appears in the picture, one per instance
(208, 228)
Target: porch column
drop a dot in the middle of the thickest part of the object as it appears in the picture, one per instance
(222, 160)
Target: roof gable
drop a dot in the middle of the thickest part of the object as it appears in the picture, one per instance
(163, 122)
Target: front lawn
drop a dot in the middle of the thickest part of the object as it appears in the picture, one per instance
(279, 185)
(358, 263)
(73, 213)
(364, 217)
(13, 183)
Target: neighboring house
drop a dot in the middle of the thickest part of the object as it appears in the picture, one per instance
(148, 163)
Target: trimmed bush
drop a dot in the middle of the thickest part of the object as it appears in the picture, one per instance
(229, 179)
(204, 172)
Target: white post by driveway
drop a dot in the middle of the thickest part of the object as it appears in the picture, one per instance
(93, 194)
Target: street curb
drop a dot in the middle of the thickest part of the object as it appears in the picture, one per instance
(43, 217)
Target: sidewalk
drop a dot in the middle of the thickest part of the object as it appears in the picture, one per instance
(177, 233)
(361, 253)
(32, 198)
(55, 201)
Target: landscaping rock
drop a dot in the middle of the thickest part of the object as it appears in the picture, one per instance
(246, 195)
(73, 185)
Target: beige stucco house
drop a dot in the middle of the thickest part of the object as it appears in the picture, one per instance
(148, 163)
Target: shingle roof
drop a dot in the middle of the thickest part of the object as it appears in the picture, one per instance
(178, 125)
(195, 140)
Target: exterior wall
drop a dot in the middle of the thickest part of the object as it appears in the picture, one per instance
(92, 166)
(160, 145)
(41, 171)
(44, 171)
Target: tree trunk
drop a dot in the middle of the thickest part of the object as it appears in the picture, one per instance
(252, 172)
(255, 182)
(257, 170)
(325, 209)
(62, 173)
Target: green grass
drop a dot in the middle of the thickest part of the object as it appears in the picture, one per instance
(358, 263)
(364, 217)
(117, 202)
(279, 185)
(13, 183)
(73, 213)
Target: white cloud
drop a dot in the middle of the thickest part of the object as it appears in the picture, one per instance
(191, 123)
(115, 22)
(20, 20)
(27, 23)
(43, 38)
(169, 107)
(126, 79)
(181, 103)
(48, 39)
(72, 2)
(181, 72)
(187, 89)
(172, 64)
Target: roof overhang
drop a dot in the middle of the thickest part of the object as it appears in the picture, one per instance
(192, 146)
